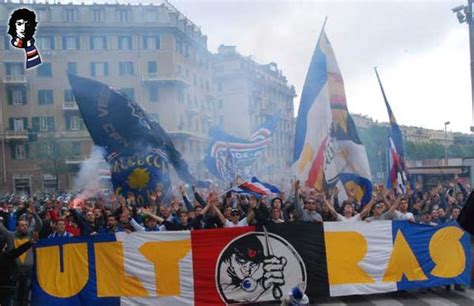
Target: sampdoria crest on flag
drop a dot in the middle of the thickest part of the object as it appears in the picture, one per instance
(328, 150)
(228, 157)
(137, 147)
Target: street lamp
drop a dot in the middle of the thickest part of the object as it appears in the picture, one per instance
(446, 142)
(464, 15)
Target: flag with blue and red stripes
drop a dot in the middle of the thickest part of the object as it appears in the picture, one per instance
(228, 156)
(397, 170)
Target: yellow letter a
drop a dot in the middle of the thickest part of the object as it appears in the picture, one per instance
(403, 262)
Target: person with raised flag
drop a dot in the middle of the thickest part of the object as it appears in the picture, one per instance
(398, 173)
(328, 150)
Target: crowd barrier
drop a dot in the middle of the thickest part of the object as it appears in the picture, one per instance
(247, 265)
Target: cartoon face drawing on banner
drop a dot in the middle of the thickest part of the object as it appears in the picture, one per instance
(258, 267)
(22, 28)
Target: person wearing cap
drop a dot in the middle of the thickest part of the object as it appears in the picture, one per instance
(235, 220)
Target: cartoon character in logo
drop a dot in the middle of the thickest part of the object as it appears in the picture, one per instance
(22, 27)
(249, 271)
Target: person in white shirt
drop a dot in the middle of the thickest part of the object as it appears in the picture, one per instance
(348, 211)
(235, 216)
(400, 211)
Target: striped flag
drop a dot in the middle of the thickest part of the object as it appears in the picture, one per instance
(397, 170)
(256, 188)
(269, 188)
(328, 151)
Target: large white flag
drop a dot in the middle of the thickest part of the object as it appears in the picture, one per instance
(328, 151)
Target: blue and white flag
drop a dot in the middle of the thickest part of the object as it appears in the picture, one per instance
(328, 150)
(228, 157)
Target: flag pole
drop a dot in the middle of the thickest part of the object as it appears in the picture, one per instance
(381, 87)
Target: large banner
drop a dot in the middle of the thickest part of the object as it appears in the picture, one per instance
(245, 265)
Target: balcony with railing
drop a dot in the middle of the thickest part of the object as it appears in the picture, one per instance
(74, 160)
(70, 106)
(166, 78)
(15, 79)
(12, 135)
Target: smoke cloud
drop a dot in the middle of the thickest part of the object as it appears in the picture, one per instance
(89, 180)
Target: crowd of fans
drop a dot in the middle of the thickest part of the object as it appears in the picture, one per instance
(23, 220)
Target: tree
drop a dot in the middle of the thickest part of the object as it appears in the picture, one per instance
(53, 154)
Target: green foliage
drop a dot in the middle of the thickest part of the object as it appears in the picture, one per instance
(419, 151)
(375, 139)
(53, 153)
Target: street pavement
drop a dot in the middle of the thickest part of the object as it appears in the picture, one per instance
(434, 297)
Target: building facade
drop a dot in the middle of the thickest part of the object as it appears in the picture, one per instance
(248, 94)
(153, 53)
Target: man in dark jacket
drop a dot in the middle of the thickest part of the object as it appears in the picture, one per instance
(86, 224)
(24, 233)
(8, 267)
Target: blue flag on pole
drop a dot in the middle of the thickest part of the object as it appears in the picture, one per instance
(137, 147)
(228, 157)
(397, 170)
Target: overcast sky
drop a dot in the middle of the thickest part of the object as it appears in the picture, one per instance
(420, 49)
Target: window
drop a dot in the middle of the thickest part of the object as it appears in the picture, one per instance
(20, 151)
(45, 96)
(45, 43)
(43, 15)
(70, 43)
(98, 42)
(97, 15)
(125, 43)
(15, 69)
(22, 184)
(70, 15)
(129, 92)
(69, 95)
(154, 94)
(72, 67)
(99, 69)
(49, 182)
(149, 15)
(18, 124)
(43, 124)
(76, 148)
(126, 68)
(151, 42)
(16, 96)
(123, 15)
(73, 123)
(152, 68)
(44, 70)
